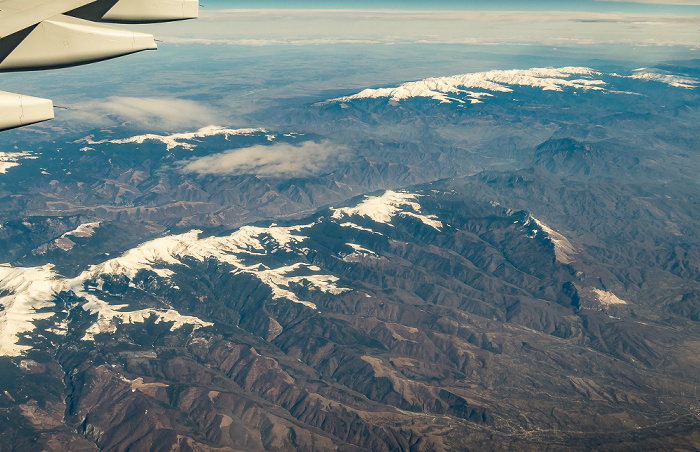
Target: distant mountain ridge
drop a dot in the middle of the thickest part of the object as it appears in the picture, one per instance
(458, 88)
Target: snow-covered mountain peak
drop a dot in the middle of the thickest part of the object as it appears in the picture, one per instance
(27, 291)
(382, 209)
(665, 77)
(232, 249)
(180, 139)
(445, 88)
(477, 87)
(563, 249)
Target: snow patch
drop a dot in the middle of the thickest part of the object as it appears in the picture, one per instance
(358, 227)
(108, 313)
(430, 220)
(361, 250)
(280, 280)
(66, 244)
(27, 290)
(232, 249)
(607, 298)
(179, 139)
(382, 209)
(11, 159)
(563, 249)
(359, 253)
(84, 230)
(656, 75)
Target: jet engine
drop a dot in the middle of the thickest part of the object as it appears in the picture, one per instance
(138, 11)
(17, 110)
(64, 41)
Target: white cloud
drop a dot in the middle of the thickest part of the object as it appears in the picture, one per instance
(313, 27)
(267, 42)
(152, 113)
(280, 159)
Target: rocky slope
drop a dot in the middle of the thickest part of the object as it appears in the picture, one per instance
(402, 320)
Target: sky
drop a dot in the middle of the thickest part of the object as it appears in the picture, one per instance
(675, 6)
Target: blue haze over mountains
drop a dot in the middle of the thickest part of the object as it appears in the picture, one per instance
(290, 262)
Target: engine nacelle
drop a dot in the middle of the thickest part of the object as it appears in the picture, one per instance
(138, 11)
(17, 110)
(64, 41)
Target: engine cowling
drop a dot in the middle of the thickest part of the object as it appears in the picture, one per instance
(138, 11)
(17, 110)
(64, 41)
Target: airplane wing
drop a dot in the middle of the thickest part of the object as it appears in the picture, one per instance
(49, 34)
(16, 15)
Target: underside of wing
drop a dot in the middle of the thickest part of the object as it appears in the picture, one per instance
(17, 15)
(49, 34)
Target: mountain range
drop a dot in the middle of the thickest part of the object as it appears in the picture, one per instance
(491, 261)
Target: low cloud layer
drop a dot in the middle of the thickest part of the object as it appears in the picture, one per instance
(152, 113)
(281, 159)
(268, 42)
(314, 27)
